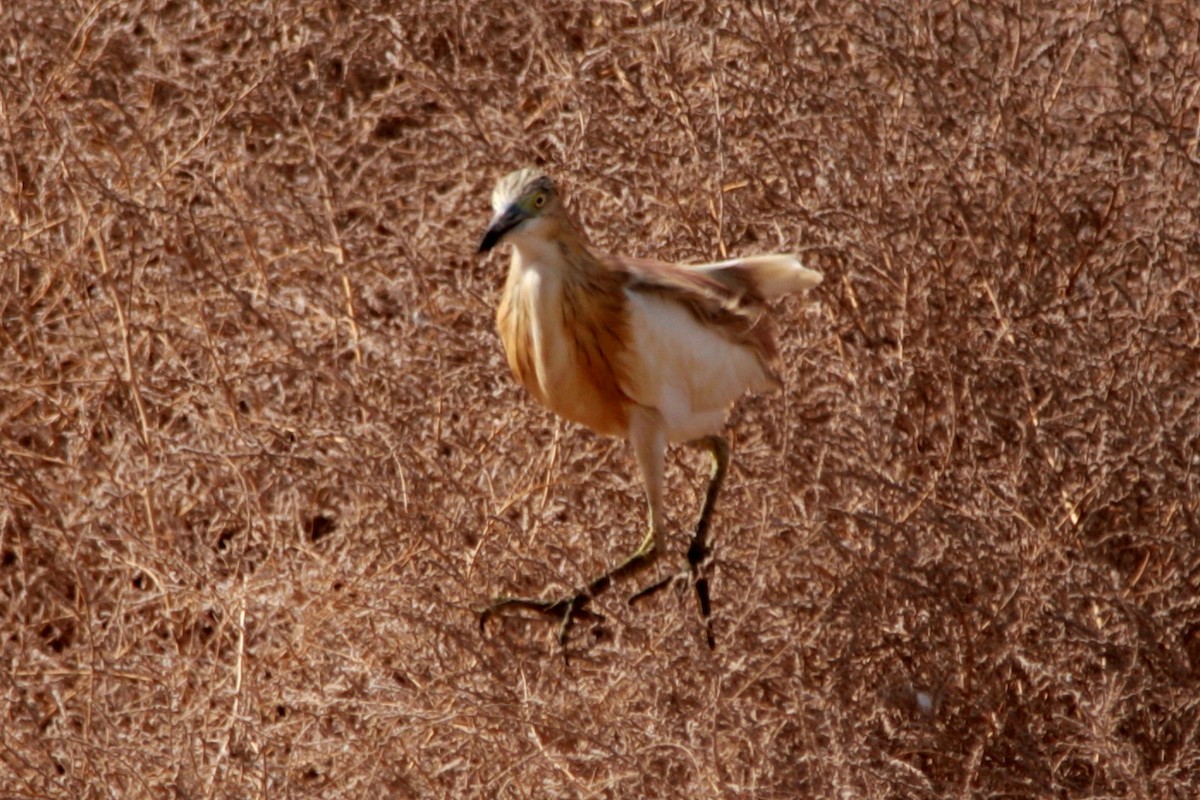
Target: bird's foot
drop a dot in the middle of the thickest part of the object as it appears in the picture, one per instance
(566, 610)
(697, 556)
(674, 579)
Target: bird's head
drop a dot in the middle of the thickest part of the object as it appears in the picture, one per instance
(524, 202)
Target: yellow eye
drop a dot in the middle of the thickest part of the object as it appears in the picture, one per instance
(539, 200)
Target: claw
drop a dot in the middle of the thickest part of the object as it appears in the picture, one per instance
(693, 575)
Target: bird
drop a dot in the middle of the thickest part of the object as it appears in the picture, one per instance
(652, 352)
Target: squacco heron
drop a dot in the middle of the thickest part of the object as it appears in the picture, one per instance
(652, 352)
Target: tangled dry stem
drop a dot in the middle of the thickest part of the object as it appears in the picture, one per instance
(261, 461)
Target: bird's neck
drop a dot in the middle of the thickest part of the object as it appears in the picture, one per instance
(560, 251)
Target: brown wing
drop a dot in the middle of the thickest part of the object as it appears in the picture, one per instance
(725, 299)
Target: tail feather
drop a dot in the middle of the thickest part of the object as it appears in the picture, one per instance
(770, 276)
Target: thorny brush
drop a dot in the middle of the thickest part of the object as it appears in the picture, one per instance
(260, 458)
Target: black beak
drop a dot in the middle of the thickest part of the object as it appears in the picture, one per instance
(501, 224)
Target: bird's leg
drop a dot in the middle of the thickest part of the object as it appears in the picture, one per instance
(649, 445)
(699, 550)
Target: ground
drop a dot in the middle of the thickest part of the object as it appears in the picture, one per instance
(262, 462)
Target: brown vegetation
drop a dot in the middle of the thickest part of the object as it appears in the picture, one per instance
(261, 459)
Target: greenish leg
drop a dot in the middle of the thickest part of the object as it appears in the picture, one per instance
(699, 550)
(568, 609)
(649, 445)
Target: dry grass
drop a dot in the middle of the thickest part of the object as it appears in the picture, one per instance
(261, 459)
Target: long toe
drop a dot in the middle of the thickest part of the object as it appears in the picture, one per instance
(656, 587)
(565, 610)
(691, 576)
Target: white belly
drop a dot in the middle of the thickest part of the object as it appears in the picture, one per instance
(690, 373)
